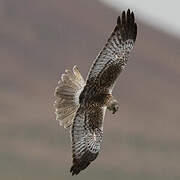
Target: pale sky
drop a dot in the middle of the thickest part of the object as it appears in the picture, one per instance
(163, 14)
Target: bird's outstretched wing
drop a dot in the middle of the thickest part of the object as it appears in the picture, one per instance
(113, 57)
(87, 132)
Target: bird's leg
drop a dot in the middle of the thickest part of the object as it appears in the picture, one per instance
(112, 104)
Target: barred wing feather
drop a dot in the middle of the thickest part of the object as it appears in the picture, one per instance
(115, 52)
(86, 138)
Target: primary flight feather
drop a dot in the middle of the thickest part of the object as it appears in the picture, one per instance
(81, 105)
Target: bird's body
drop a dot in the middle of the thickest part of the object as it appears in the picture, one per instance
(81, 104)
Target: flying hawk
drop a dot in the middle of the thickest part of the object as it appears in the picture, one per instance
(81, 105)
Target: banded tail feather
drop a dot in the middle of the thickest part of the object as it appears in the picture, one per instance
(67, 96)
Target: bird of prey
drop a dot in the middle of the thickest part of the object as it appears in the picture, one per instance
(81, 105)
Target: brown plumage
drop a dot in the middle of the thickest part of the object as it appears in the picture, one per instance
(82, 105)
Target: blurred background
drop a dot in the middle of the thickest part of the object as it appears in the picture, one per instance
(39, 39)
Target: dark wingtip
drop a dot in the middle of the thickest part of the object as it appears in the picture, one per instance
(128, 13)
(123, 18)
(79, 166)
(74, 170)
(118, 20)
(127, 26)
(82, 163)
(132, 17)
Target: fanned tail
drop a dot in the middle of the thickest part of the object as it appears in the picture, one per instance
(67, 96)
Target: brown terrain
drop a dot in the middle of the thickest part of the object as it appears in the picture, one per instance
(38, 40)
